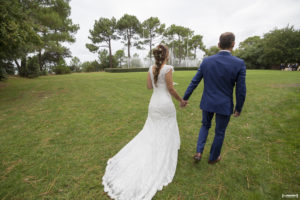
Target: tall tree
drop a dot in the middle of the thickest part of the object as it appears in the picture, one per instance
(251, 50)
(211, 51)
(55, 27)
(119, 55)
(281, 46)
(129, 27)
(151, 29)
(196, 43)
(17, 31)
(275, 47)
(104, 31)
(178, 34)
(35, 26)
(104, 59)
(75, 64)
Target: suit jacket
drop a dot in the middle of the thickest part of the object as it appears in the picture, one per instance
(221, 72)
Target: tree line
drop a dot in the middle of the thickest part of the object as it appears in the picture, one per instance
(32, 34)
(273, 48)
(133, 33)
(266, 52)
(269, 51)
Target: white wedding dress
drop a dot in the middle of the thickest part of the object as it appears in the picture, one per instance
(148, 162)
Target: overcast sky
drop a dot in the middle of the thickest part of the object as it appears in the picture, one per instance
(209, 18)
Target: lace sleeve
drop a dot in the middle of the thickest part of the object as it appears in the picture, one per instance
(169, 68)
(150, 68)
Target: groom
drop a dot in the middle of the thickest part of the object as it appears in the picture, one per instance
(221, 72)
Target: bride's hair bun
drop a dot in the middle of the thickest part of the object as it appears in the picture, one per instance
(160, 54)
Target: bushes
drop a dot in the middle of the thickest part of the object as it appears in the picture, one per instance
(9, 68)
(2, 73)
(120, 70)
(104, 59)
(29, 67)
(6, 67)
(93, 66)
(33, 67)
(75, 68)
(44, 73)
(61, 69)
(75, 65)
(89, 68)
(135, 61)
(185, 68)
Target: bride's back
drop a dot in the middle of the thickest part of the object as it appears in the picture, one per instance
(161, 84)
(161, 104)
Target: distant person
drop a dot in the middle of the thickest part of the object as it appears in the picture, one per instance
(294, 67)
(221, 73)
(288, 67)
(282, 66)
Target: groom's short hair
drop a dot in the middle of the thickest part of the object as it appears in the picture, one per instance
(226, 40)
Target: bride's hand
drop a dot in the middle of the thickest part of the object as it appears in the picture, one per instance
(183, 103)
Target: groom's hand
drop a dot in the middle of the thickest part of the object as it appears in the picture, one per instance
(236, 114)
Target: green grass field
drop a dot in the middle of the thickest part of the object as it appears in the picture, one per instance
(57, 132)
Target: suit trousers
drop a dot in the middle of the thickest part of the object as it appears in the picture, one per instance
(221, 125)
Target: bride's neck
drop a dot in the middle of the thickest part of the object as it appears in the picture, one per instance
(164, 63)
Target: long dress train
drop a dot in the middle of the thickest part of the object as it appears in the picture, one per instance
(148, 162)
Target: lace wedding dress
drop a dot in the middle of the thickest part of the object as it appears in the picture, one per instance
(148, 162)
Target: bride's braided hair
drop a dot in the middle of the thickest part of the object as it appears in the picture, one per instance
(160, 54)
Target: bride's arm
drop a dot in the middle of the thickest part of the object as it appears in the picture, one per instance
(149, 82)
(169, 81)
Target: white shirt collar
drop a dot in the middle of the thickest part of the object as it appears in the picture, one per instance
(226, 50)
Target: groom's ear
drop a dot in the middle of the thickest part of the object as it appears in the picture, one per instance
(233, 43)
(219, 45)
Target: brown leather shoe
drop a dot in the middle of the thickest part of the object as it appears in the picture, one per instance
(197, 157)
(214, 161)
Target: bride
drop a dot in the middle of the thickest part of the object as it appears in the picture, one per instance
(148, 162)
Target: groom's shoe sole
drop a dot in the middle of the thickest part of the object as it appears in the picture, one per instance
(214, 161)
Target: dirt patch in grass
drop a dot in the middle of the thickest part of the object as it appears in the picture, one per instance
(61, 91)
(43, 94)
(45, 142)
(2, 85)
(47, 94)
(11, 166)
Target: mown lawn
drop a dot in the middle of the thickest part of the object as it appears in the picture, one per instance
(57, 132)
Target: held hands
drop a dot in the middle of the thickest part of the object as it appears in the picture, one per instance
(183, 103)
(236, 114)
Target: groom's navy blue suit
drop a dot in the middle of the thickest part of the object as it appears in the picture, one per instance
(221, 72)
